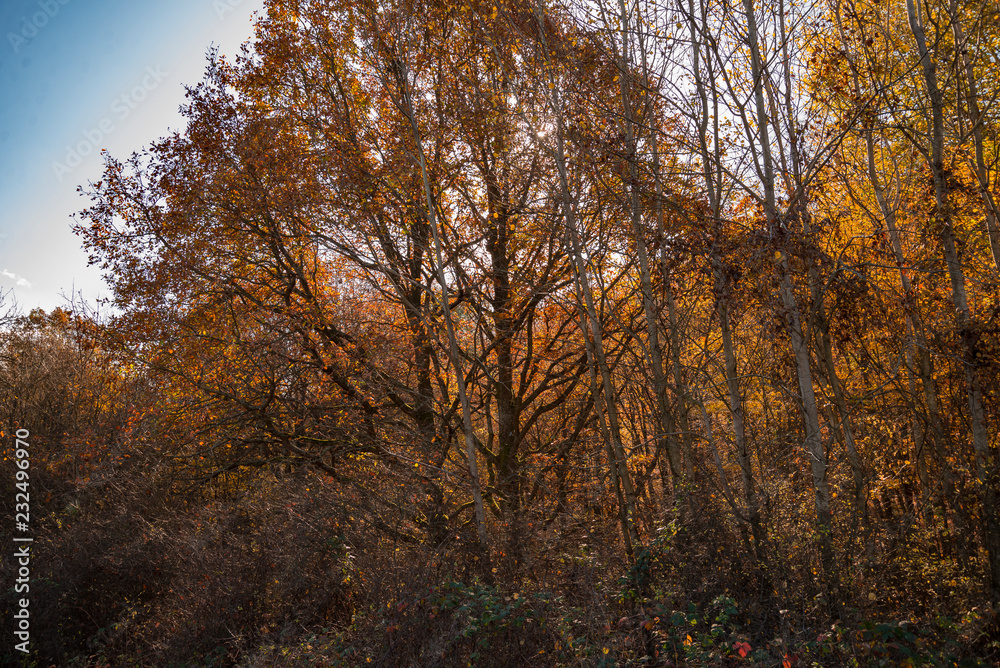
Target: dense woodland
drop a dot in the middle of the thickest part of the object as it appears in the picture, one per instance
(502, 333)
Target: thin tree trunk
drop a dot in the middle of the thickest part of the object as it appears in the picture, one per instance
(810, 412)
(916, 344)
(655, 352)
(739, 424)
(985, 472)
(682, 442)
(456, 359)
(619, 462)
(975, 119)
(843, 421)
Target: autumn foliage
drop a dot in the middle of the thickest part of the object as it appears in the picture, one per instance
(496, 333)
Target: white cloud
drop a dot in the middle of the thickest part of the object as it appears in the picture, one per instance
(20, 281)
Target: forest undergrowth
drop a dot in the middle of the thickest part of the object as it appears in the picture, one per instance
(289, 572)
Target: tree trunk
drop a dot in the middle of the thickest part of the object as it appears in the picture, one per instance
(456, 359)
(985, 473)
(654, 351)
(617, 451)
(810, 412)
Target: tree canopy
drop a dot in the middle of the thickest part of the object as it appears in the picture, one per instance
(712, 285)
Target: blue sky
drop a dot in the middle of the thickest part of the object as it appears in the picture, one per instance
(78, 76)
